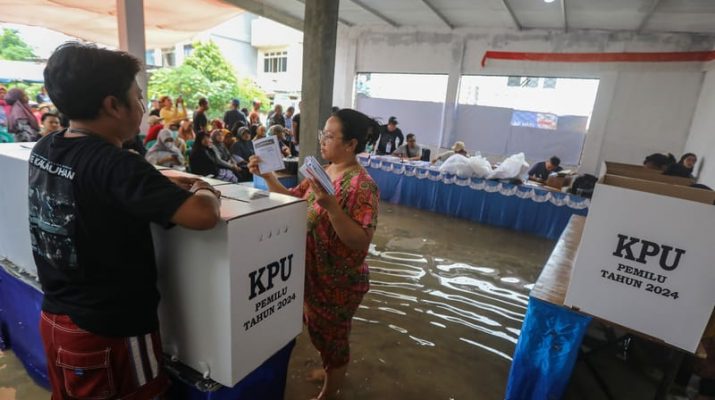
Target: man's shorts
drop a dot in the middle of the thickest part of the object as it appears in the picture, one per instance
(83, 365)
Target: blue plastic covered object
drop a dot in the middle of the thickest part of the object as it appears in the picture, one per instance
(546, 353)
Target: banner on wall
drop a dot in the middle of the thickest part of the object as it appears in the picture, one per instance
(534, 119)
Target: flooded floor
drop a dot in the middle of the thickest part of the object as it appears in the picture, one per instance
(443, 314)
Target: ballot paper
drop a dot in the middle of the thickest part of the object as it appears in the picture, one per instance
(312, 169)
(268, 150)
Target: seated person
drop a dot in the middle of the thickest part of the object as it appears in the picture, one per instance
(684, 167)
(457, 148)
(287, 148)
(541, 170)
(218, 138)
(155, 126)
(242, 150)
(260, 132)
(50, 122)
(659, 161)
(165, 152)
(410, 150)
(203, 160)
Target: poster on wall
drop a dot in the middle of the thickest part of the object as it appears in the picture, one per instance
(646, 262)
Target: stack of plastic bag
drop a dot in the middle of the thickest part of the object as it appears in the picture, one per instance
(481, 167)
(515, 166)
(457, 165)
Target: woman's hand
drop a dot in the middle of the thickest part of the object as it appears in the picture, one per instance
(253, 162)
(323, 198)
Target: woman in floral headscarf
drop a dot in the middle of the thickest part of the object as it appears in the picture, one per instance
(21, 121)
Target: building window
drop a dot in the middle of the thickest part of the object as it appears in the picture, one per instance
(168, 57)
(150, 60)
(549, 83)
(522, 81)
(514, 81)
(188, 49)
(276, 61)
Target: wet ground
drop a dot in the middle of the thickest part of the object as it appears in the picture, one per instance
(443, 314)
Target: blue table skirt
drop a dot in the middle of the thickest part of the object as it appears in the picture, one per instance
(523, 208)
(20, 305)
(546, 352)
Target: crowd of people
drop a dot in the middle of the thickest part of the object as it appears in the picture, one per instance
(219, 148)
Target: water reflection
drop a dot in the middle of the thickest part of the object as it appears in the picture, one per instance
(445, 307)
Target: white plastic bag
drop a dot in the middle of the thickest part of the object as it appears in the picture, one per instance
(481, 167)
(457, 164)
(513, 167)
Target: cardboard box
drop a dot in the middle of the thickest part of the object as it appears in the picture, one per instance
(233, 296)
(659, 188)
(641, 172)
(14, 223)
(645, 259)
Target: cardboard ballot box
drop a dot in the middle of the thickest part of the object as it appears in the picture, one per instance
(645, 259)
(14, 224)
(233, 296)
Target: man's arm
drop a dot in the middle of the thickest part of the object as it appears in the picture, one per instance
(200, 211)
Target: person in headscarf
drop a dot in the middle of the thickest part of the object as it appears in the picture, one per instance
(204, 161)
(165, 152)
(242, 150)
(217, 140)
(21, 121)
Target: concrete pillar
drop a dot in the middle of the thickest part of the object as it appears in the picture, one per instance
(319, 36)
(449, 109)
(130, 24)
(345, 68)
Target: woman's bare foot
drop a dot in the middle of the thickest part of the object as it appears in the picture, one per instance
(316, 375)
(332, 384)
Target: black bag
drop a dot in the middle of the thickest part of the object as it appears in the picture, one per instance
(583, 185)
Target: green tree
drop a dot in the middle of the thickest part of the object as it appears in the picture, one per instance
(207, 59)
(12, 47)
(205, 73)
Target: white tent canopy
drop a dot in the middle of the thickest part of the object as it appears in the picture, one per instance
(166, 22)
(25, 71)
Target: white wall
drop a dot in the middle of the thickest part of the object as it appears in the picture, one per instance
(702, 131)
(640, 108)
(290, 81)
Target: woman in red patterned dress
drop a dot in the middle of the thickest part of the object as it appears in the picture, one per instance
(340, 230)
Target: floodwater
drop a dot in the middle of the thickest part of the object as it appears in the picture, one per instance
(441, 320)
(443, 314)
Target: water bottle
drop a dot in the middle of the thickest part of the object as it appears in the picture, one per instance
(388, 148)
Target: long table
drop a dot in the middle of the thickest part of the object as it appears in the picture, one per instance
(524, 208)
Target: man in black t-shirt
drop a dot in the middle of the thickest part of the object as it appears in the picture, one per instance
(541, 170)
(390, 137)
(200, 120)
(233, 118)
(90, 208)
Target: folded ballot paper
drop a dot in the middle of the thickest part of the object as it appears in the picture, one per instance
(312, 169)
